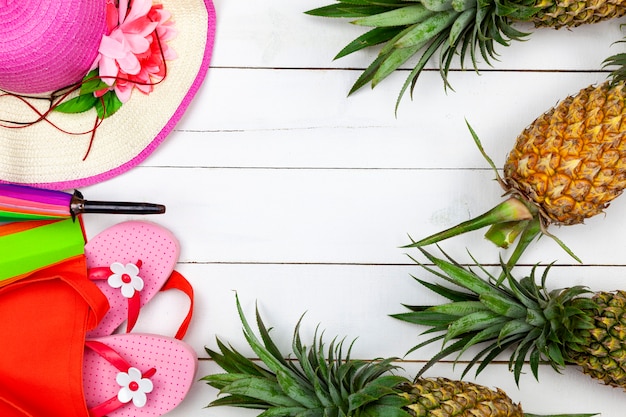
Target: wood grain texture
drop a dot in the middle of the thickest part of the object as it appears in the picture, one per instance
(298, 198)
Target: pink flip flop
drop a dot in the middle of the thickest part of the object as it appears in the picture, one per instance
(136, 375)
(130, 263)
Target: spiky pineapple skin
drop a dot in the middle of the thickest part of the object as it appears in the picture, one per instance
(571, 161)
(441, 397)
(571, 13)
(602, 354)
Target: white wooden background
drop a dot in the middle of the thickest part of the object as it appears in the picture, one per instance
(281, 188)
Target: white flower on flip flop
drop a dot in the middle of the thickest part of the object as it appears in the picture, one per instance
(125, 277)
(134, 387)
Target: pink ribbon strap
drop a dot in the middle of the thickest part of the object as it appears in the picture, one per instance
(134, 302)
(177, 281)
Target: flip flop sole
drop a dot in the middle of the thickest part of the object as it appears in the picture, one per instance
(129, 242)
(175, 363)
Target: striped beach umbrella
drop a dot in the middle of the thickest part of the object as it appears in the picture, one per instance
(19, 202)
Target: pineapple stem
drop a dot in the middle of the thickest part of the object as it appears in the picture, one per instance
(511, 210)
(504, 234)
(530, 232)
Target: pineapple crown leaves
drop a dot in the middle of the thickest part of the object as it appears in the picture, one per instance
(319, 382)
(358, 388)
(619, 61)
(513, 219)
(406, 28)
(522, 316)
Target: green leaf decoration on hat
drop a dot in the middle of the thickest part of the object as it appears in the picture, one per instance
(105, 106)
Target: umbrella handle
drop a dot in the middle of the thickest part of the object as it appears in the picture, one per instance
(79, 205)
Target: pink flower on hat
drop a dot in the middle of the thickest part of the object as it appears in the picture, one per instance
(133, 53)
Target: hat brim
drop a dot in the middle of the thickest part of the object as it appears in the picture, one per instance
(47, 156)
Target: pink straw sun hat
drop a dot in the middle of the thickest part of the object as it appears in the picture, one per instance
(89, 88)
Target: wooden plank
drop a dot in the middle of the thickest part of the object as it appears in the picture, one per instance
(348, 301)
(569, 392)
(280, 35)
(285, 191)
(262, 99)
(336, 215)
(288, 118)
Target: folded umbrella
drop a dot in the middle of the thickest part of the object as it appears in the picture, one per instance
(19, 202)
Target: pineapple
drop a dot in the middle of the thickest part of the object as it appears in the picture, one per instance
(571, 160)
(409, 27)
(567, 166)
(319, 383)
(562, 326)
